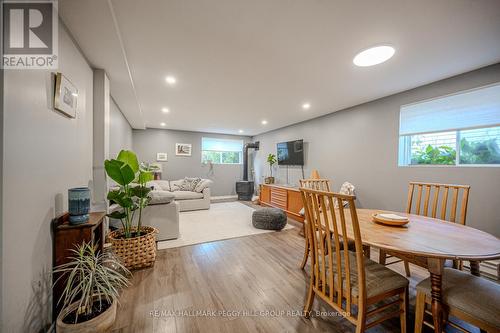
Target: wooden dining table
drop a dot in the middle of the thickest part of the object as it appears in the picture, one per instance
(428, 242)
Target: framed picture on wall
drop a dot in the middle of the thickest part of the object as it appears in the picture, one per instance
(161, 157)
(65, 96)
(183, 149)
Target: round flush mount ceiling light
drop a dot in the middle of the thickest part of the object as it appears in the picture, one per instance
(165, 110)
(374, 56)
(306, 106)
(264, 122)
(163, 124)
(171, 80)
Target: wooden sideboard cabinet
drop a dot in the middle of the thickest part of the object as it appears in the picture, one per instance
(283, 197)
(66, 237)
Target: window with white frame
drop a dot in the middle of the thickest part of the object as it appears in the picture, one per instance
(462, 129)
(221, 151)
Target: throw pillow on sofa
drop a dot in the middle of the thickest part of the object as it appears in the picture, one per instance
(175, 185)
(189, 184)
(203, 184)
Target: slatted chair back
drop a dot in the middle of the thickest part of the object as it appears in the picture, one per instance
(444, 201)
(332, 270)
(316, 184)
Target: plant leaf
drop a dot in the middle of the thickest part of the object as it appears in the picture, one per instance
(140, 191)
(117, 215)
(130, 158)
(120, 172)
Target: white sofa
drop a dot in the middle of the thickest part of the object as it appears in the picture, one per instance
(187, 200)
(162, 213)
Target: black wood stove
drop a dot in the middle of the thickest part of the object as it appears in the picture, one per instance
(245, 188)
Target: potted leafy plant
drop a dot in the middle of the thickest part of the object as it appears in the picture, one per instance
(89, 298)
(134, 243)
(271, 159)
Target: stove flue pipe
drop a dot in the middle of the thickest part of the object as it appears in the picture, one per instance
(254, 145)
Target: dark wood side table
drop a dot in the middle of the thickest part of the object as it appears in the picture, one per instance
(66, 237)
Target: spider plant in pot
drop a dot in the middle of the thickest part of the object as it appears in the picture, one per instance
(134, 243)
(271, 159)
(92, 283)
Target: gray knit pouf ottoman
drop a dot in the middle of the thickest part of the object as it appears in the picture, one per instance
(269, 219)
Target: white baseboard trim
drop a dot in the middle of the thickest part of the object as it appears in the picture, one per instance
(223, 198)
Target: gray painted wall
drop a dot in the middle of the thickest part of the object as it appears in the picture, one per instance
(45, 154)
(148, 142)
(1, 185)
(360, 145)
(120, 132)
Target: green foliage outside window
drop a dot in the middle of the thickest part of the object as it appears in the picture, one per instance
(230, 157)
(218, 157)
(477, 152)
(434, 155)
(480, 152)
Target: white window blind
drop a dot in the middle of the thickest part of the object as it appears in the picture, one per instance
(469, 109)
(213, 144)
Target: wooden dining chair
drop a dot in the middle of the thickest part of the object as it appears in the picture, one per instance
(466, 297)
(344, 278)
(315, 184)
(443, 201)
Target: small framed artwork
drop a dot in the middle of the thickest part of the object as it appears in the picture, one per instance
(183, 149)
(161, 157)
(66, 96)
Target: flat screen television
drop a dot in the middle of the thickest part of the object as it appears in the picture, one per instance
(291, 153)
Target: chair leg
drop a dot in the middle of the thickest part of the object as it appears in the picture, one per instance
(367, 251)
(382, 256)
(419, 312)
(458, 264)
(310, 299)
(407, 268)
(306, 253)
(404, 307)
(361, 322)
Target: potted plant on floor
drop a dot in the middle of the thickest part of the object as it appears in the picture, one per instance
(90, 295)
(271, 159)
(134, 243)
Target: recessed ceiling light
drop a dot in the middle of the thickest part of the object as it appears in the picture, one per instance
(165, 110)
(306, 106)
(163, 124)
(373, 56)
(264, 122)
(171, 80)
(240, 131)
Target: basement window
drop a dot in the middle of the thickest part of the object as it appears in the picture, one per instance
(221, 151)
(462, 129)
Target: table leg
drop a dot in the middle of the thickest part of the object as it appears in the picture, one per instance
(474, 268)
(436, 267)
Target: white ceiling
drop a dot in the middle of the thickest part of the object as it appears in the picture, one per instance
(238, 62)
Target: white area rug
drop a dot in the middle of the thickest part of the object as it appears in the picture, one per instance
(222, 221)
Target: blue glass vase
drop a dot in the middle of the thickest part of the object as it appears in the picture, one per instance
(78, 205)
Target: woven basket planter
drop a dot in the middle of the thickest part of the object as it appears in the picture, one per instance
(137, 252)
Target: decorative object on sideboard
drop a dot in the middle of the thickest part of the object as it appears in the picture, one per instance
(183, 149)
(157, 170)
(65, 96)
(89, 305)
(161, 157)
(133, 243)
(271, 159)
(245, 188)
(78, 205)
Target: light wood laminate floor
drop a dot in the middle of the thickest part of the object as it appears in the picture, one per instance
(247, 284)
